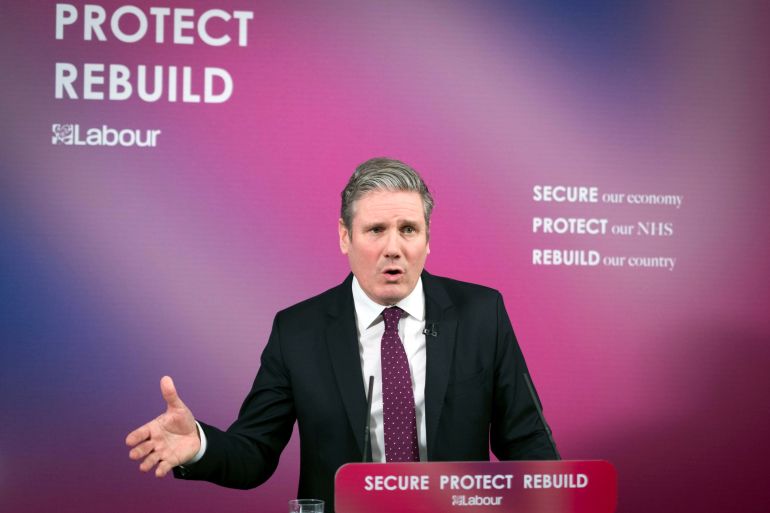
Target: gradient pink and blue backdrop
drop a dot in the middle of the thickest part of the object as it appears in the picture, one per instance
(120, 265)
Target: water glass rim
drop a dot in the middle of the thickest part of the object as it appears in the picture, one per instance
(307, 505)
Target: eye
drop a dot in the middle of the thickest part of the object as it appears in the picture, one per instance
(408, 229)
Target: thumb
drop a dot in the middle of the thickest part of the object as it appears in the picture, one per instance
(168, 390)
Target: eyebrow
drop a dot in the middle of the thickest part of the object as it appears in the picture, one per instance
(374, 224)
(381, 224)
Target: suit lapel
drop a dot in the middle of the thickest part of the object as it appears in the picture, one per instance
(342, 341)
(439, 353)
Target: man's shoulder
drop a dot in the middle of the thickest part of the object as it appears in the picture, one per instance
(329, 301)
(458, 291)
(339, 299)
(460, 285)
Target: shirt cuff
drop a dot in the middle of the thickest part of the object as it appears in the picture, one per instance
(202, 450)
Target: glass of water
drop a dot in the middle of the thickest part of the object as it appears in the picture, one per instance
(306, 506)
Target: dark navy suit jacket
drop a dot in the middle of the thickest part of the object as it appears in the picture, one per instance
(475, 394)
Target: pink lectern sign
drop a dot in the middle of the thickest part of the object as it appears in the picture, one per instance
(510, 486)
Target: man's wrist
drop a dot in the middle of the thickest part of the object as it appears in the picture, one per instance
(201, 449)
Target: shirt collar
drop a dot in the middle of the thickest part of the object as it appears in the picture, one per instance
(368, 312)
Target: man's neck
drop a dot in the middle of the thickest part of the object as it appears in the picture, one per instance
(368, 310)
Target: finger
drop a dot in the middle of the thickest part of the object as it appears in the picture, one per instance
(141, 450)
(138, 435)
(163, 469)
(168, 390)
(149, 461)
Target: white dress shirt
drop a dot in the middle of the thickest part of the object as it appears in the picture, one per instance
(371, 327)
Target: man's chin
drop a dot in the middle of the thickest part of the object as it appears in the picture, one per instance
(391, 293)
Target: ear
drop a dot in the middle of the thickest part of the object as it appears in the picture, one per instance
(344, 237)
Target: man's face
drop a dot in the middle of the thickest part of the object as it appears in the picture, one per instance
(389, 244)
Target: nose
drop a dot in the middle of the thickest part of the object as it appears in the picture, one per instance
(392, 248)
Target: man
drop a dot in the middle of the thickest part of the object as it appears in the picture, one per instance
(448, 371)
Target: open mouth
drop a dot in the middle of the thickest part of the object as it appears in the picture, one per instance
(393, 272)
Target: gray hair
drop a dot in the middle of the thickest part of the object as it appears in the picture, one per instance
(378, 174)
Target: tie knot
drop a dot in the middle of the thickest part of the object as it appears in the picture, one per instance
(391, 316)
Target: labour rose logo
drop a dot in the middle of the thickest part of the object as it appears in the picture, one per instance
(62, 134)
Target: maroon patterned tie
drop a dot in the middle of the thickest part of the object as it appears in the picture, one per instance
(400, 420)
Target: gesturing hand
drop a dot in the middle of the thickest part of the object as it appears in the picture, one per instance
(170, 439)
